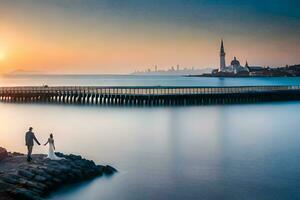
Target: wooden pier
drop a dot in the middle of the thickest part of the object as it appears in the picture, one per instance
(149, 96)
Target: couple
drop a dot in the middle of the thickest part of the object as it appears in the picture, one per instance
(30, 138)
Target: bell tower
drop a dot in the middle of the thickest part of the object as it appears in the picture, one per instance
(222, 58)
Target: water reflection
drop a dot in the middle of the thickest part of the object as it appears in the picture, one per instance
(206, 152)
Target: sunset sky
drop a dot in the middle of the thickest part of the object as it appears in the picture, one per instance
(120, 36)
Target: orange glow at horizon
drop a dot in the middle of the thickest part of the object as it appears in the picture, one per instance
(101, 37)
(2, 55)
(97, 51)
(110, 55)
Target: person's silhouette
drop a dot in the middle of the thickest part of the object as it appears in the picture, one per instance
(29, 139)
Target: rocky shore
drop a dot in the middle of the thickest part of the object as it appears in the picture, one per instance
(20, 180)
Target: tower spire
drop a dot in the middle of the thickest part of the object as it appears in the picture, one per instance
(222, 58)
(222, 46)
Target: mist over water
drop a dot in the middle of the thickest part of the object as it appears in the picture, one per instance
(248, 151)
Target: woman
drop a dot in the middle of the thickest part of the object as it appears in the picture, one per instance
(51, 154)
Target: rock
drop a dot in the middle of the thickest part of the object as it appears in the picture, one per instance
(37, 191)
(24, 194)
(58, 154)
(63, 176)
(11, 178)
(57, 181)
(31, 181)
(71, 177)
(77, 173)
(109, 170)
(38, 186)
(73, 157)
(32, 186)
(5, 186)
(80, 163)
(40, 178)
(52, 171)
(41, 173)
(26, 174)
(100, 169)
(88, 173)
(90, 163)
(3, 153)
(17, 154)
(64, 169)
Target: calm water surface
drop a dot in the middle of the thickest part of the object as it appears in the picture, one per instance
(128, 80)
(205, 152)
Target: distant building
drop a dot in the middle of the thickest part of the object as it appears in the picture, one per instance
(222, 58)
(234, 67)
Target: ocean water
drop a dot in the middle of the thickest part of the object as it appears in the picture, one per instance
(248, 151)
(130, 80)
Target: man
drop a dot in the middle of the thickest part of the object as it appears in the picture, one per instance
(29, 143)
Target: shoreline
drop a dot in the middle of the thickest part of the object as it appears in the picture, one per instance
(239, 76)
(35, 180)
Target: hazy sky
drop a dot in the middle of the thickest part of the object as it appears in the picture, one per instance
(119, 36)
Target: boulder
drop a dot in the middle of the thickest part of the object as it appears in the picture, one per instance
(61, 155)
(109, 170)
(17, 154)
(25, 194)
(63, 176)
(3, 153)
(80, 163)
(41, 173)
(38, 186)
(34, 180)
(53, 170)
(77, 173)
(25, 173)
(37, 191)
(40, 179)
(74, 157)
(57, 181)
(64, 169)
(5, 186)
(88, 173)
(100, 169)
(11, 179)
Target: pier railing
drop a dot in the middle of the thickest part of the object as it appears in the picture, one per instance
(150, 90)
(145, 95)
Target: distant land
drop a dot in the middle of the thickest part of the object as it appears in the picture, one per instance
(25, 72)
(172, 71)
(235, 69)
(251, 71)
(257, 71)
(178, 71)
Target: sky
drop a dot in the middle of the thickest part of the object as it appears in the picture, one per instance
(120, 36)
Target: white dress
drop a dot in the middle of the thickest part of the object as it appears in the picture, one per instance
(51, 154)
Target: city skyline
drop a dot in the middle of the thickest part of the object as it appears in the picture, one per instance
(62, 36)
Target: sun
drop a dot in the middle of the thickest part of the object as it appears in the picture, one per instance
(2, 55)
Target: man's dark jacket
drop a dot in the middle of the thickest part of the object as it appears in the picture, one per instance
(29, 139)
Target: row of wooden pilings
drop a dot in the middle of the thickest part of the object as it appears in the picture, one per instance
(147, 100)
